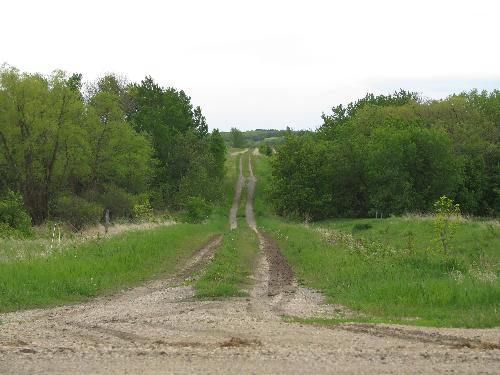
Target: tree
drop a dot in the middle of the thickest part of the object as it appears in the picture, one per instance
(188, 160)
(393, 154)
(237, 138)
(41, 135)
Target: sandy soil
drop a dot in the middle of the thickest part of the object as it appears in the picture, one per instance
(159, 328)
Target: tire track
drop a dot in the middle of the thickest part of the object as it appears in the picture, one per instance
(273, 274)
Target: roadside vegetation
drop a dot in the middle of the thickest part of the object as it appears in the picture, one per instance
(83, 270)
(388, 280)
(393, 269)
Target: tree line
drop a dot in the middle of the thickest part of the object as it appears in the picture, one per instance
(66, 146)
(393, 154)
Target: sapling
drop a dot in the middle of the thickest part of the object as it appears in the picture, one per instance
(446, 213)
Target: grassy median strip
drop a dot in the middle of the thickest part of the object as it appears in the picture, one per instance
(99, 267)
(388, 281)
(232, 265)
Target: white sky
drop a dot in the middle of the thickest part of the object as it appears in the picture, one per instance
(263, 64)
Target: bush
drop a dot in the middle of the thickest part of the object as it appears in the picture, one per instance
(14, 221)
(446, 215)
(118, 201)
(197, 210)
(265, 149)
(77, 211)
(143, 210)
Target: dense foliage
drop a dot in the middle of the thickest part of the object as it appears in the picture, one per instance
(14, 221)
(393, 154)
(65, 147)
(253, 138)
(237, 139)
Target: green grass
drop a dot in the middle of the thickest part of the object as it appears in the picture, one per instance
(233, 262)
(383, 269)
(391, 285)
(99, 267)
(473, 238)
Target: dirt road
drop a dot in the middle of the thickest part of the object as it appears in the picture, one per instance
(159, 328)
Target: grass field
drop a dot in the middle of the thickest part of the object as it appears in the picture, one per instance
(387, 270)
(233, 262)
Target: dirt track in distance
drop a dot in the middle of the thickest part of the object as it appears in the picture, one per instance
(160, 328)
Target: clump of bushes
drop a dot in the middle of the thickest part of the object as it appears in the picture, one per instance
(119, 202)
(14, 220)
(197, 210)
(77, 211)
(143, 211)
(265, 149)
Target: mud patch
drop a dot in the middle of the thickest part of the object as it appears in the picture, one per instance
(281, 278)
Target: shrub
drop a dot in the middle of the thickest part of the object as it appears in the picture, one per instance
(265, 149)
(197, 210)
(118, 201)
(445, 221)
(14, 221)
(77, 211)
(143, 210)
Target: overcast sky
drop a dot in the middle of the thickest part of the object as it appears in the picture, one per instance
(263, 64)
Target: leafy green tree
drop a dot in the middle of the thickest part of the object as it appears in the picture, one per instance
(394, 154)
(14, 221)
(265, 149)
(301, 178)
(237, 138)
(41, 136)
(188, 160)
